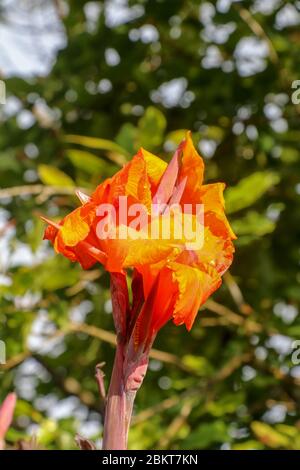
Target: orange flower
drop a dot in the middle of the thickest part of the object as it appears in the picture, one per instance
(137, 220)
(175, 279)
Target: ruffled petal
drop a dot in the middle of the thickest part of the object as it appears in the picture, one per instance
(131, 181)
(155, 168)
(194, 287)
(214, 214)
(74, 229)
(192, 168)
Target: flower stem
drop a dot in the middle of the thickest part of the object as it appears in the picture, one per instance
(126, 379)
(116, 421)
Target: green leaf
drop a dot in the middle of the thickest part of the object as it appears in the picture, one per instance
(249, 190)
(290, 431)
(8, 161)
(226, 405)
(55, 273)
(96, 143)
(151, 128)
(269, 436)
(14, 435)
(289, 155)
(176, 136)
(128, 137)
(47, 431)
(253, 223)
(294, 331)
(54, 177)
(197, 363)
(214, 133)
(85, 161)
(35, 234)
(248, 445)
(206, 434)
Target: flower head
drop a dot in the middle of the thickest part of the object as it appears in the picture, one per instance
(173, 275)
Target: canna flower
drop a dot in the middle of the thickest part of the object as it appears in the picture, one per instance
(171, 276)
(6, 416)
(191, 276)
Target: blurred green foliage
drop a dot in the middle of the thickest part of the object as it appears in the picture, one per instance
(116, 86)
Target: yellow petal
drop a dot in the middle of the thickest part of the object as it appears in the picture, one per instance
(194, 287)
(137, 184)
(192, 169)
(155, 166)
(212, 197)
(74, 229)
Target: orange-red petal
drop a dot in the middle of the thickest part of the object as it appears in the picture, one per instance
(194, 287)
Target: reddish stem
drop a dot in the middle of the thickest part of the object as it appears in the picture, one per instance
(126, 379)
(130, 365)
(115, 423)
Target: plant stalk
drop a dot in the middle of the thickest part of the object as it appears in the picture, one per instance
(116, 422)
(125, 381)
